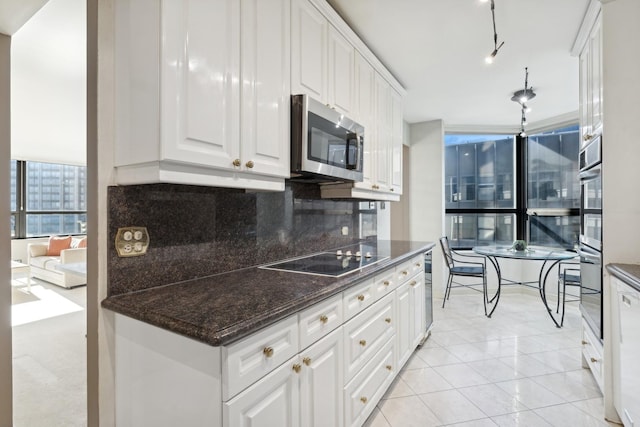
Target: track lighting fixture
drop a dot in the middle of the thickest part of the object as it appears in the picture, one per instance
(522, 97)
(489, 59)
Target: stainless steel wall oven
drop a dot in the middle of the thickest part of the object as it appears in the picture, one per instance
(590, 249)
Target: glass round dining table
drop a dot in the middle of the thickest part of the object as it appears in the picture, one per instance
(550, 257)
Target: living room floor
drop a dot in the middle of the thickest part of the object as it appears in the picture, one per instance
(49, 355)
(514, 369)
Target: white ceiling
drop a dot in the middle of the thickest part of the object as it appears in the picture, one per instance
(437, 50)
(14, 13)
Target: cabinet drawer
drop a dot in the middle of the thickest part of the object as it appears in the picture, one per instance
(366, 333)
(592, 352)
(252, 358)
(385, 282)
(363, 393)
(317, 321)
(358, 298)
(409, 268)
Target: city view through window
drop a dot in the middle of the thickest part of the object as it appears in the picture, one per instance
(47, 199)
(491, 192)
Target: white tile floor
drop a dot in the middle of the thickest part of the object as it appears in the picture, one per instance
(514, 369)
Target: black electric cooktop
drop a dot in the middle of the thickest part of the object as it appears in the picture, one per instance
(334, 264)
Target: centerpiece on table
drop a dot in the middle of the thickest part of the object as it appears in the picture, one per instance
(519, 245)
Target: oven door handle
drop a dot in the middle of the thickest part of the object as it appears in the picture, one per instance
(590, 174)
(593, 259)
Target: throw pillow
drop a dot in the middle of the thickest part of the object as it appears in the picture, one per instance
(57, 244)
(79, 243)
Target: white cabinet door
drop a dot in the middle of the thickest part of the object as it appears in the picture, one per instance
(585, 86)
(364, 84)
(341, 72)
(265, 91)
(321, 382)
(383, 134)
(410, 309)
(272, 401)
(595, 54)
(591, 84)
(199, 82)
(418, 319)
(308, 50)
(397, 129)
(404, 335)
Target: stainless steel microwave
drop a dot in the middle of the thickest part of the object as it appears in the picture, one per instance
(325, 145)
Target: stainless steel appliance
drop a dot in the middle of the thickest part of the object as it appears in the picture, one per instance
(428, 292)
(325, 145)
(333, 264)
(590, 249)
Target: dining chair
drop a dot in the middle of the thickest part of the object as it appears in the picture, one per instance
(568, 275)
(458, 265)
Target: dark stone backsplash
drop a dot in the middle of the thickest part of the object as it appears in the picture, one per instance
(200, 231)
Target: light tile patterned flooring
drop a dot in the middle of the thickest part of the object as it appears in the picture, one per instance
(514, 369)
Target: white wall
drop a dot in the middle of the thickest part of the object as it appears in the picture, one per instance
(426, 193)
(6, 402)
(620, 146)
(48, 84)
(620, 160)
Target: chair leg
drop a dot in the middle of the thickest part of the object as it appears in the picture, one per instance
(564, 300)
(485, 297)
(447, 290)
(558, 302)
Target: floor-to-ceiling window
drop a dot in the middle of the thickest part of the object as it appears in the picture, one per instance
(499, 188)
(47, 199)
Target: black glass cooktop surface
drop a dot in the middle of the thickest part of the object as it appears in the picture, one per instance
(326, 264)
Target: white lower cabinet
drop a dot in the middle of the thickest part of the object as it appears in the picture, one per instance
(316, 368)
(364, 391)
(410, 306)
(592, 354)
(321, 380)
(272, 401)
(366, 333)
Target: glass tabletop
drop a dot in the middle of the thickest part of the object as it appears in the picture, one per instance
(532, 252)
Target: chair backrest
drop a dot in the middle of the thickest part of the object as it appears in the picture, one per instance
(446, 250)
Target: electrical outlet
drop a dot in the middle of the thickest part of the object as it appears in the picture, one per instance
(132, 241)
(345, 231)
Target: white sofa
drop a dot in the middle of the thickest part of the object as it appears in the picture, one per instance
(43, 266)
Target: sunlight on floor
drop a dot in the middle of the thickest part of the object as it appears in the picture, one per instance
(48, 304)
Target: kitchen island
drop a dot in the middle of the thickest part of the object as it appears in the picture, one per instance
(269, 347)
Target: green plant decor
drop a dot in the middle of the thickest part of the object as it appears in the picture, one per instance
(520, 245)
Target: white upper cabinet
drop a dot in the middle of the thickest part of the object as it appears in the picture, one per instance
(265, 76)
(196, 84)
(322, 59)
(397, 130)
(365, 114)
(379, 108)
(309, 32)
(341, 72)
(591, 84)
(383, 135)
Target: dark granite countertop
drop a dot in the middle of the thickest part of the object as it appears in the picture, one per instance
(222, 308)
(628, 273)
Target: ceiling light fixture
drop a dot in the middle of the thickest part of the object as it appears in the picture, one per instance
(522, 97)
(489, 59)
